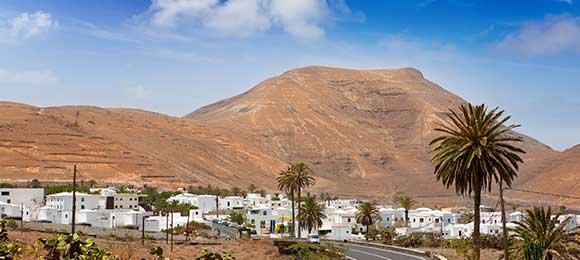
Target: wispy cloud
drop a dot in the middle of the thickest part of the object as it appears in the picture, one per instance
(31, 77)
(555, 35)
(138, 91)
(566, 1)
(304, 19)
(25, 26)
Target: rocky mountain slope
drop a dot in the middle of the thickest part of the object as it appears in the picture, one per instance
(364, 132)
(123, 146)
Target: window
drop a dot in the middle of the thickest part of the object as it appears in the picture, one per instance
(414, 220)
(5, 193)
(264, 213)
(83, 199)
(421, 220)
(8, 201)
(82, 206)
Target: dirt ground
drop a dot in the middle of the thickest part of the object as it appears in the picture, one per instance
(255, 250)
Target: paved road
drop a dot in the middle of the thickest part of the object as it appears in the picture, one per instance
(224, 230)
(359, 252)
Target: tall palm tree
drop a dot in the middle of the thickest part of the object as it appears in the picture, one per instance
(286, 184)
(367, 214)
(302, 178)
(472, 152)
(311, 214)
(539, 233)
(251, 188)
(407, 203)
(217, 192)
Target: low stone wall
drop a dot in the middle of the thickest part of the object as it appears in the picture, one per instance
(405, 250)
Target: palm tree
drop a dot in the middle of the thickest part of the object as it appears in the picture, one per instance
(251, 188)
(466, 217)
(406, 202)
(303, 178)
(311, 214)
(295, 178)
(539, 233)
(367, 214)
(286, 184)
(474, 151)
(217, 192)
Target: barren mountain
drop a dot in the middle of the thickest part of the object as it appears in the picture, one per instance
(122, 146)
(556, 174)
(364, 132)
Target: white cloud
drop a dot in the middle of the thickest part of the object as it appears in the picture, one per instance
(553, 36)
(138, 91)
(566, 1)
(25, 26)
(32, 77)
(300, 18)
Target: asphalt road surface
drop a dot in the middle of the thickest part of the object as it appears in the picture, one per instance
(359, 252)
(224, 230)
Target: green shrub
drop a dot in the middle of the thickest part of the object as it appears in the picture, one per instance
(157, 253)
(12, 224)
(462, 247)
(207, 255)
(409, 240)
(72, 247)
(8, 250)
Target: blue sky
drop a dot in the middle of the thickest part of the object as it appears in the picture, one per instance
(173, 56)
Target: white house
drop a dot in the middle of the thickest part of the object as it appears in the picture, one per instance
(232, 202)
(262, 219)
(28, 197)
(206, 203)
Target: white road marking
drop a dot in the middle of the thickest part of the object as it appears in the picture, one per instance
(386, 250)
(371, 254)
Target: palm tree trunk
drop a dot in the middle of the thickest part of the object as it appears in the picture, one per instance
(298, 210)
(217, 206)
(406, 218)
(367, 233)
(503, 222)
(476, 221)
(293, 226)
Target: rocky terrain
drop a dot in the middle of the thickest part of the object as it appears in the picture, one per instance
(365, 134)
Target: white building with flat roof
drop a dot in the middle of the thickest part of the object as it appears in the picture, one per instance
(29, 197)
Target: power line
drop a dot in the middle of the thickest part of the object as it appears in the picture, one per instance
(545, 193)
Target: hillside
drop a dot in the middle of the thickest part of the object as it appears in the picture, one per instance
(122, 146)
(364, 132)
(558, 173)
(361, 130)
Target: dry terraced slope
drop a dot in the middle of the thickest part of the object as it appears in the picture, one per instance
(364, 132)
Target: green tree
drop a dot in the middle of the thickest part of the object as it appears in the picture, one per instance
(466, 217)
(406, 202)
(474, 151)
(252, 188)
(237, 217)
(311, 214)
(367, 214)
(539, 233)
(296, 178)
(35, 183)
(286, 184)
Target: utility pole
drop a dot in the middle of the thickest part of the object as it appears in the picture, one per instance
(187, 226)
(74, 200)
(77, 119)
(21, 218)
(503, 221)
(143, 230)
(166, 226)
(172, 230)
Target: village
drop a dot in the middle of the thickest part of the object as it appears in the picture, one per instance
(266, 216)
